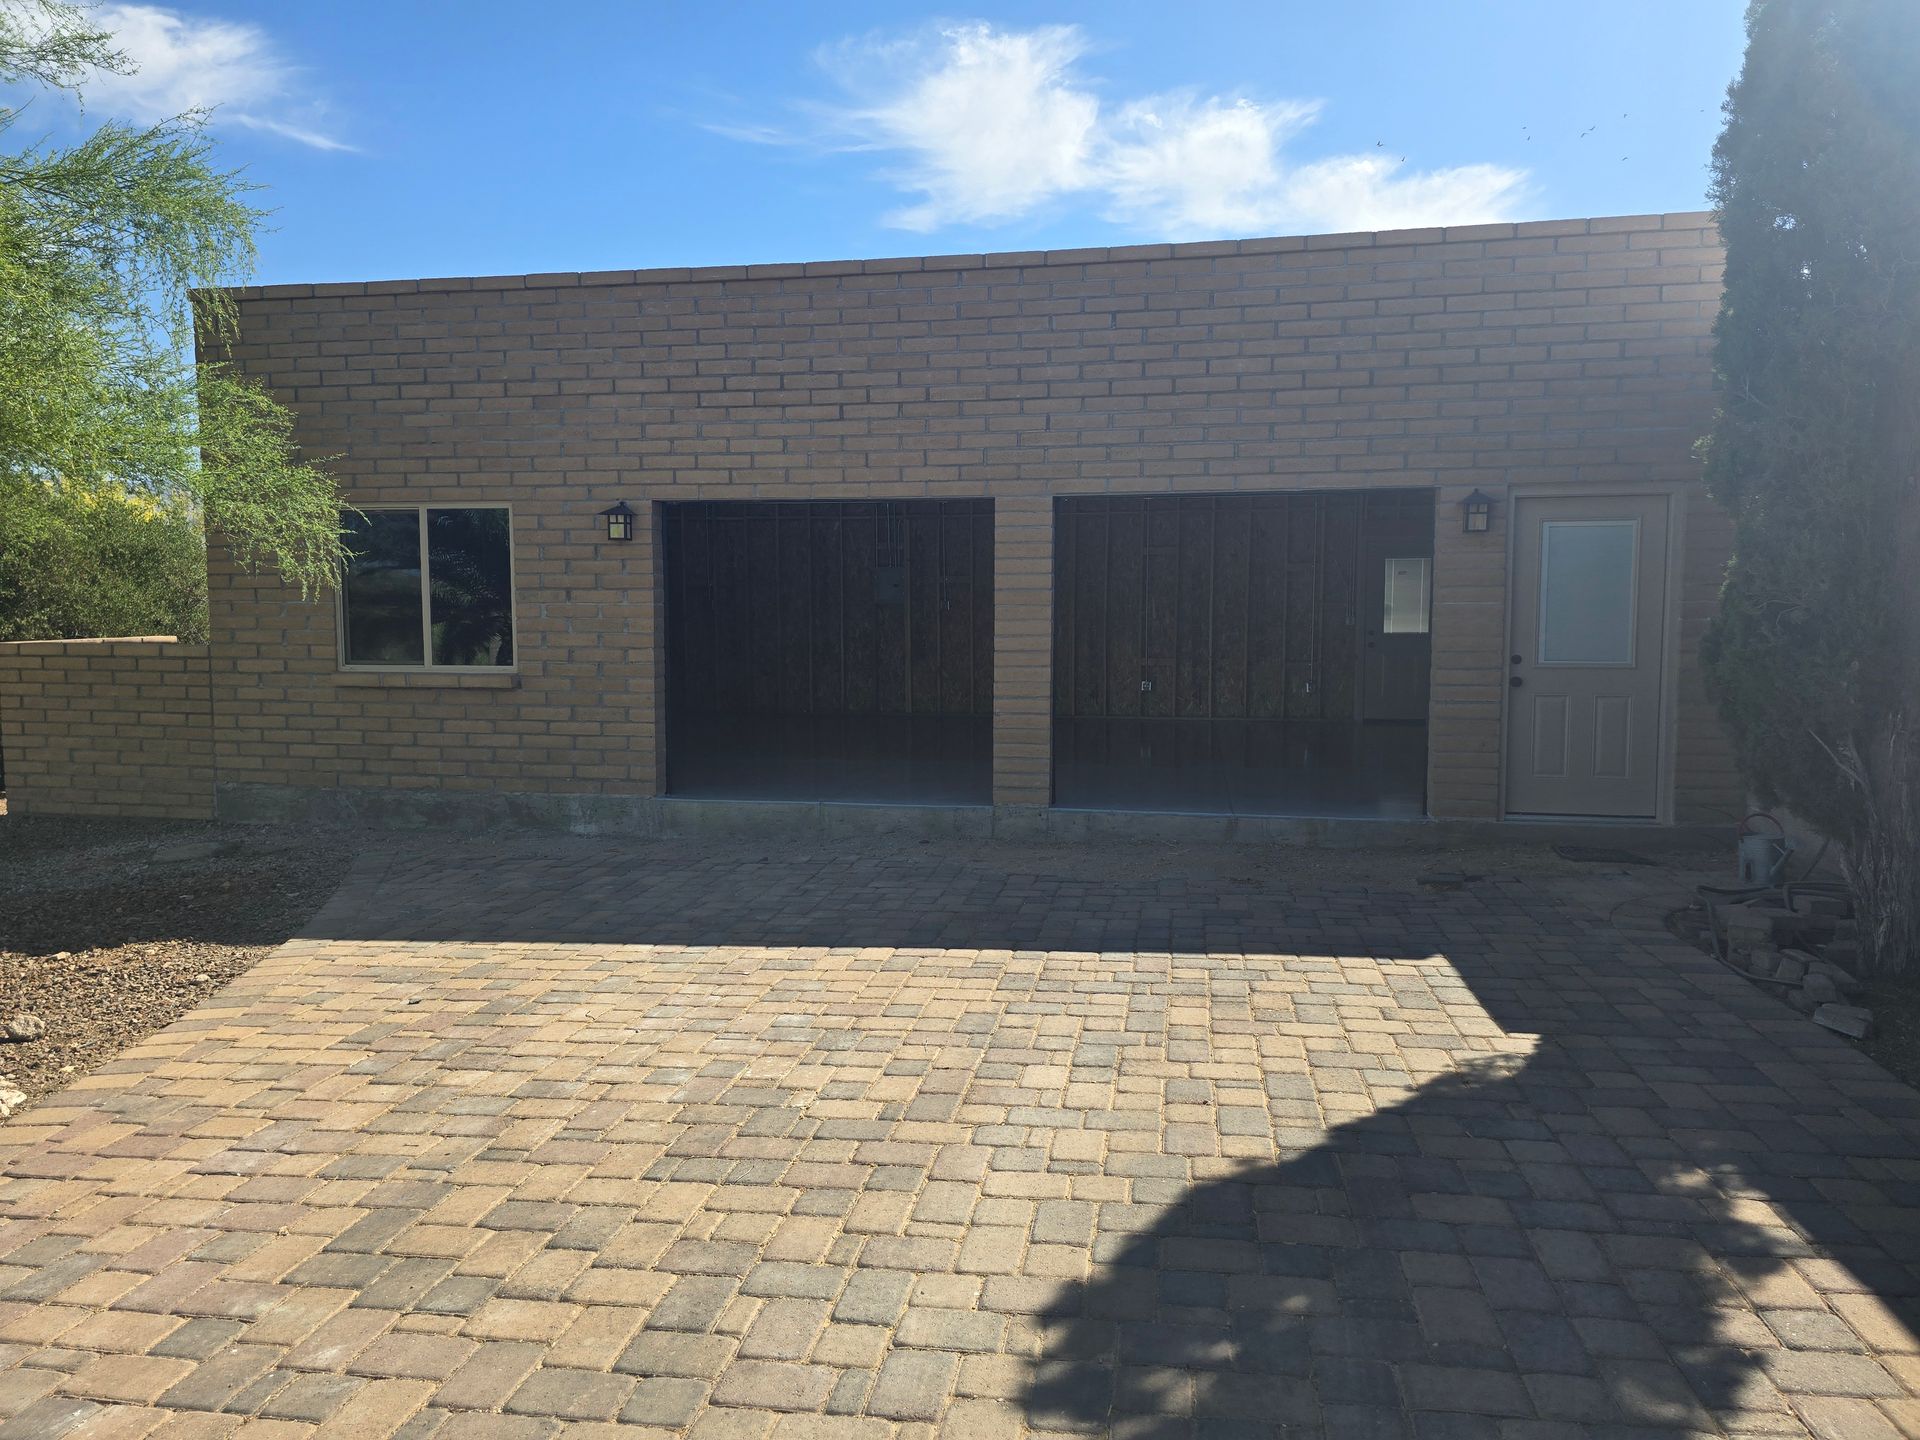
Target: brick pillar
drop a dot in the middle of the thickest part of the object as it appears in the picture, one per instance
(1469, 663)
(1022, 650)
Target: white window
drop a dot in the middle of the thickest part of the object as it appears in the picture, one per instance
(1587, 591)
(1406, 608)
(428, 587)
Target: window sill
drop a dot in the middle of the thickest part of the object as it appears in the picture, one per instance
(430, 679)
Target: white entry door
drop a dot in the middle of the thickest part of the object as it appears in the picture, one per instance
(1588, 662)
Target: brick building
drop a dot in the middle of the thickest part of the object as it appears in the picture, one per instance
(1383, 526)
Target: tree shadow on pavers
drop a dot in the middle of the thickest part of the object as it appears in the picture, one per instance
(1629, 1232)
(1496, 1247)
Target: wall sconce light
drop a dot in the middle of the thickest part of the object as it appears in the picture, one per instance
(619, 518)
(1476, 513)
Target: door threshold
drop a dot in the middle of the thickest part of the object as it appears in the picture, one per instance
(1530, 819)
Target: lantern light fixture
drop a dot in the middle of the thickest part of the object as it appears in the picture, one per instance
(1476, 513)
(619, 517)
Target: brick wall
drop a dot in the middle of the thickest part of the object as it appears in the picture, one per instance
(1567, 353)
(1469, 658)
(107, 727)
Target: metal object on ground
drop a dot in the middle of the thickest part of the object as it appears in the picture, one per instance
(1763, 857)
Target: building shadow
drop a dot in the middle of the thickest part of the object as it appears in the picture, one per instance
(72, 884)
(904, 892)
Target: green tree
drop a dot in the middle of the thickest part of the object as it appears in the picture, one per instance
(113, 252)
(1815, 656)
(78, 560)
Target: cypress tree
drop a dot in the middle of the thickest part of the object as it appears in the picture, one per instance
(1814, 658)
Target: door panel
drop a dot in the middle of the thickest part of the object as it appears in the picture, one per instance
(1549, 736)
(1588, 663)
(1234, 606)
(1613, 737)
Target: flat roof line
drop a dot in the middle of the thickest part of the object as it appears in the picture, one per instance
(999, 260)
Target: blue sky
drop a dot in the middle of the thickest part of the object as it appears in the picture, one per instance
(404, 138)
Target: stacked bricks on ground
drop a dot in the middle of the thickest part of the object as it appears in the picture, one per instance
(1570, 353)
(533, 1139)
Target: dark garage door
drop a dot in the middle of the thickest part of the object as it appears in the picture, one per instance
(830, 649)
(1208, 652)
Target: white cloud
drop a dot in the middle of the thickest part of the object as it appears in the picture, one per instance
(1364, 192)
(985, 126)
(989, 123)
(186, 63)
(1201, 166)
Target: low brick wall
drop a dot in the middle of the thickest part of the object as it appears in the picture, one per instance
(107, 727)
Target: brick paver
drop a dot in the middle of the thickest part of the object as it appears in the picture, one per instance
(557, 1138)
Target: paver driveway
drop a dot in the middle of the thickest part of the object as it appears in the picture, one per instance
(581, 1138)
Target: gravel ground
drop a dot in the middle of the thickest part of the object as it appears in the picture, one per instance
(106, 938)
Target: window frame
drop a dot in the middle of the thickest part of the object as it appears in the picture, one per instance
(426, 666)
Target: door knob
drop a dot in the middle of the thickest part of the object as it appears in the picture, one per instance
(1515, 681)
(1515, 659)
